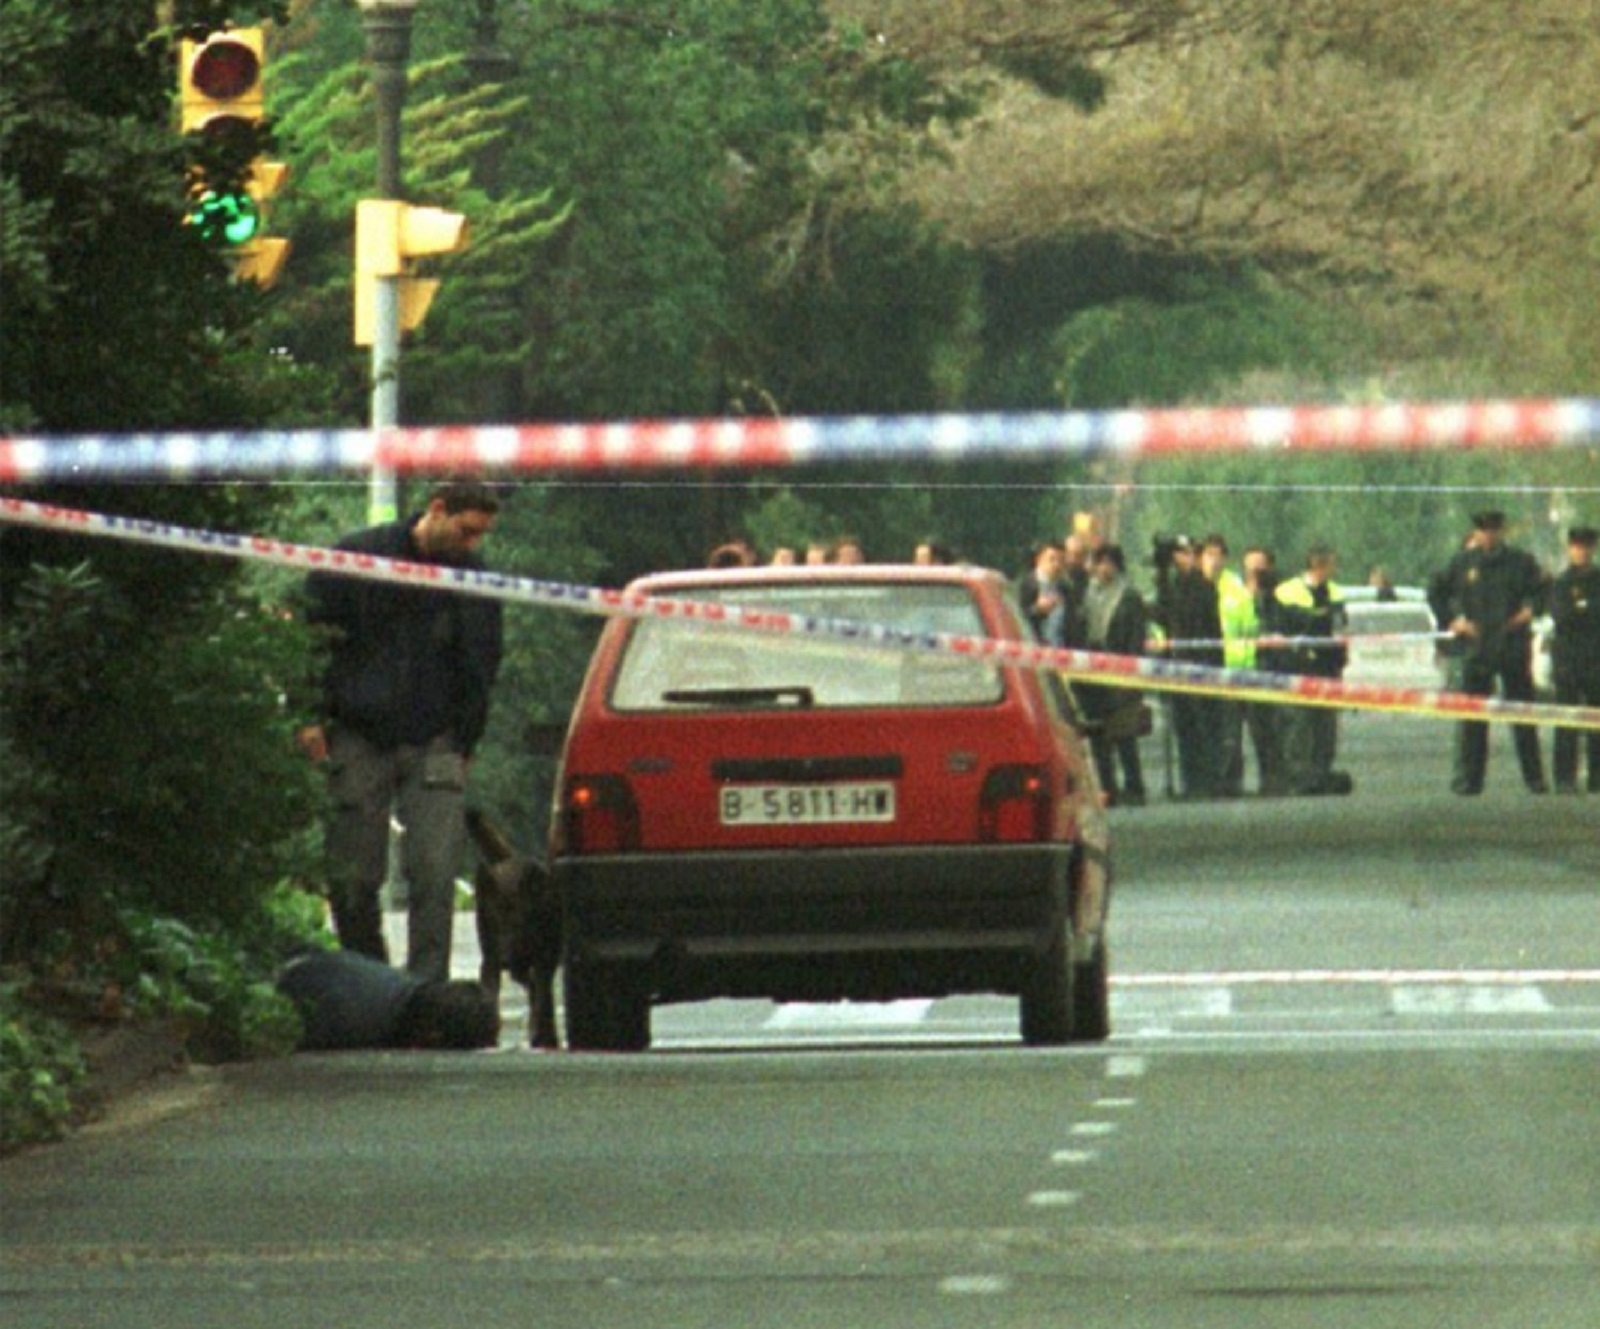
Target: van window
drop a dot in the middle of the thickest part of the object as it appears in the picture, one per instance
(670, 665)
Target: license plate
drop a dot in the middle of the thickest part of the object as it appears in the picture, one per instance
(805, 804)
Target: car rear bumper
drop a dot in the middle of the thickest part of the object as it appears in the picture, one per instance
(829, 923)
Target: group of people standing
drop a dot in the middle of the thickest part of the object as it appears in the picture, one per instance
(1203, 611)
(1487, 598)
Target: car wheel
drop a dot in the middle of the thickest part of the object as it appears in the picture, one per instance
(1047, 1000)
(607, 1011)
(1091, 1001)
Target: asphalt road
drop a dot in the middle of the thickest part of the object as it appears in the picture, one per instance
(1353, 1083)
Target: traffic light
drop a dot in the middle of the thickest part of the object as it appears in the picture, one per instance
(390, 237)
(220, 85)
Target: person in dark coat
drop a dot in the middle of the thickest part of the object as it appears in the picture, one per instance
(1114, 622)
(1575, 650)
(1487, 598)
(347, 1001)
(1047, 598)
(1195, 614)
(406, 699)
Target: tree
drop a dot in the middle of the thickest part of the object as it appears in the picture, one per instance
(117, 661)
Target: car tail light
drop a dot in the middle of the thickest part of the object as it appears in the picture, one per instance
(600, 814)
(1015, 804)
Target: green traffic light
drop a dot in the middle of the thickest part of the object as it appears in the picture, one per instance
(226, 219)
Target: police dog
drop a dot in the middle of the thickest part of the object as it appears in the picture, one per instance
(519, 925)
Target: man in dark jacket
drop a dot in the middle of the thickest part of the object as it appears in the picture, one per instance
(1114, 622)
(1195, 614)
(348, 1001)
(1047, 598)
(1487, 598)
(1575, 610)
(406, 700)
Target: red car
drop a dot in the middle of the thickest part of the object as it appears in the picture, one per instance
(751, 815)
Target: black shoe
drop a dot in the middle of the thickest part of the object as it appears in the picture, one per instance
(1465, 788)
(1131, 798)
(1538, 787)
(1566, 786)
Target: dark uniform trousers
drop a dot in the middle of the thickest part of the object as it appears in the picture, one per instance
(1577, 692)
(1477, 675)
(1575, 606)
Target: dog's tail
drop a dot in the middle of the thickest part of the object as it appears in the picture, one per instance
(492, 845)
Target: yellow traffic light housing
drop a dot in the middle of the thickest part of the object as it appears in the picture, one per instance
(390, 237)
(220, 88)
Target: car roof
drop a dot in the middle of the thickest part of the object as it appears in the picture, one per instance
(826, 574)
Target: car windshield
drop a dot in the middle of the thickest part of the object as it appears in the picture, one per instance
(673, 665)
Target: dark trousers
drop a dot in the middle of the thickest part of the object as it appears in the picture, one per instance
(1197, 726)
(1108, 752)
(1477, 678)
(424, 788)
(1577, 692)
(1261, 721)
(1310, 737)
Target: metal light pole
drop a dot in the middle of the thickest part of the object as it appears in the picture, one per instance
(388, 30)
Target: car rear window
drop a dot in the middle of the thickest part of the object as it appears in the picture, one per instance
(669, 665)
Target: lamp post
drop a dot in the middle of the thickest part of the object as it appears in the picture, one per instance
(388, 30)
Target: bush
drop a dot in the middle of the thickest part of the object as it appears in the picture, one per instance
(41, 1069)
(214, 986)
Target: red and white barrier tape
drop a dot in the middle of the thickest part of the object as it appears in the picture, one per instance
(1365, 638)
(1083, 666)
(800, 440)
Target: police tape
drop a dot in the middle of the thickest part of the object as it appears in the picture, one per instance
(1082, 666)
(765, 443)
(1342, 639)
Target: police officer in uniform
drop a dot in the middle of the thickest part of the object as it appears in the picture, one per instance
(1486, 598)
(1575, 610)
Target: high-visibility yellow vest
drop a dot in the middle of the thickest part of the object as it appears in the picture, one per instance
(1241, 623)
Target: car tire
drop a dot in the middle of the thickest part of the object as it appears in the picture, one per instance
(1091, 1000)
(607, 1011)
(1048, 1005)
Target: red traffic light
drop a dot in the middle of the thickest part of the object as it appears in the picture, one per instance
(225, 69)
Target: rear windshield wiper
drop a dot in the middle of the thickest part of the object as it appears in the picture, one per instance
(797, 694)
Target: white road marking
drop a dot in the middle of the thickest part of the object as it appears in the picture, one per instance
(1187, 1002)
(1054, 1199)
(1124, 1068)
(1073, 1157)
(1086, 1129)
(1115, 1102)
(1386, 977)
(849, 1014)
(1437, 999)
(974, 1285)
